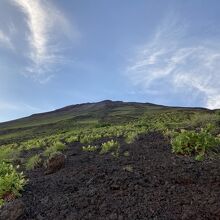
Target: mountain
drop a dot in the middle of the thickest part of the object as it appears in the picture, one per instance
(107, 160)
(85, 114)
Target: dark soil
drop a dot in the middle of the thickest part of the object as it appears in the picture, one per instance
(151, 183)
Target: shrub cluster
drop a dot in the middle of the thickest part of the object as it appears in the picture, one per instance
(131, 136)
(11, 181)
(194, 143)
(110, 146)
(33, 162)
(8, 153)
(72, 139)
(56, 147)
(89, 138)
(89, 148)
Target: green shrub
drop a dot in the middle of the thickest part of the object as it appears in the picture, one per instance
(11, 181)
(128, 168)
(159, 126)
(126, 154)
(194, 143)
(89, 148)
(8, 153)
(72, 139)
(33, 144)
(115, 153)
(110, 146)
(130, 137)
(199, 157)
(56, 147)
(168, 133)
(89, 138)
(33, 162)
(59, 146)
(205, 119)
(85, 139)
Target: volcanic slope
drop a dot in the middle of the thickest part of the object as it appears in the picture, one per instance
(149, 183)
(139, 178)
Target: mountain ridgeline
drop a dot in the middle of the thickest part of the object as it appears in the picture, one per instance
(82, 115)
(107, 160)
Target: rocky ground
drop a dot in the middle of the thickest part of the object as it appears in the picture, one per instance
(149, 183)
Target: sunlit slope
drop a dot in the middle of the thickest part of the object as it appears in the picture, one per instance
(82, 112)
(88, 114)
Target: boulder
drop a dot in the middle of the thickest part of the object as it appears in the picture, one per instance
(55, 163)
(12, 210)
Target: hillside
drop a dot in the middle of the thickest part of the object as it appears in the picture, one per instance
(111, 160)
(80, 115)
(86, 110)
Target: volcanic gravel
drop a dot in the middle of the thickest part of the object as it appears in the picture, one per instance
(150, 183)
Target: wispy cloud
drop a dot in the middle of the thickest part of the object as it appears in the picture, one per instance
(5, 40)
(174, 58)
(45, 23)
(15, 106)
(11, 110)
(8, 106)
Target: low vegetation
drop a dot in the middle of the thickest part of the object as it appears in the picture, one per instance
(126, 154)
(72, 139)
(110, 146)
(12, 182)
(131, 136)
(56, 147)
(190, 132)
(9, 153)
(128, 168)
(196, 143)
(89, 148)
(33, 162)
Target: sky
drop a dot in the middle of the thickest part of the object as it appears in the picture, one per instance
(56, 53)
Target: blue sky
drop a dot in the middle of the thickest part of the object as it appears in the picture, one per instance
(56, 53)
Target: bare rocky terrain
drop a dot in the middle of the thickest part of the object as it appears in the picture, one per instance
(150, 183)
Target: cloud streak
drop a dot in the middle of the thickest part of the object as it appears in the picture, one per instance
(175, 61)
(5, 40)
(43, 21)
(8, 108)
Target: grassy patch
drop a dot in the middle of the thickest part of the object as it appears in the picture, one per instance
(130, 137)
(11, 181)
(72, 139)
(89, 148)
(194, 143)
(33, 162)
(56, 147)
(89, 138)
(110, 146)
(9, 153)
(126, 154)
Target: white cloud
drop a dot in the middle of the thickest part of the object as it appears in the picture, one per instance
(5, 40)
(45, 24)
(173, 57)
